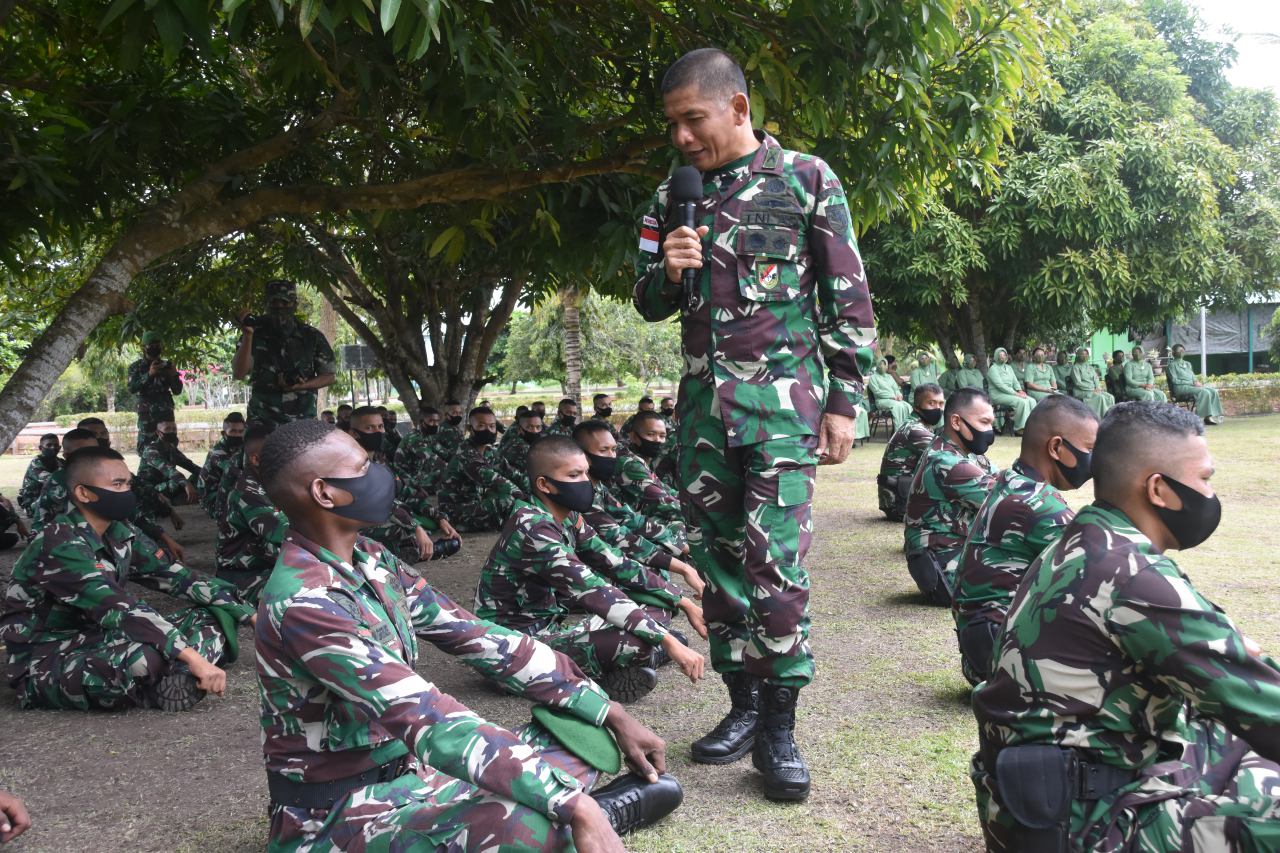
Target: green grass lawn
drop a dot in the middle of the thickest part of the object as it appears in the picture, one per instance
(885, 725)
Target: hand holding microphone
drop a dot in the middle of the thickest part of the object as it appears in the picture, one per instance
(682, 248)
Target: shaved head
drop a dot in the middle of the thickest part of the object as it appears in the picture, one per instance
(296, 453)
(90, 463)
(713, 72)
(549, 453)
(1056, 415)
(1140, 439)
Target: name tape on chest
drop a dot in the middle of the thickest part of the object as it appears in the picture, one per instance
(649, 235)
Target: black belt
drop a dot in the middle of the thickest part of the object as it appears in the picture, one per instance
(1093, 780)
(322, 795)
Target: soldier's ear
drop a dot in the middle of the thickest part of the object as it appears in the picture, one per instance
(320, 493)
(1157, 491)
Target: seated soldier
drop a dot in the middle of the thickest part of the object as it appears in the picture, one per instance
(603, 405)
(39, 469)
(949, 484)
(645, 405)
(362, 752)
(251, 529)
(548, 563)
(223, 454)
(53, 499)
(644, 540)
(1126, 711)
(1086, 386)
(1184, 385)
(1023, 514)
(75, 636)
(514, 447)
(905, 447)
(566, 417)
(391, 430)
(506, 436)
(1140, 379)
(414, 456)
(473, 489)
(452, 429)
(158, 465)
(343, 419)
(405, 531)
(328, 417)
(98, 427)
(635, 483)
(9, 518)
(886, 391)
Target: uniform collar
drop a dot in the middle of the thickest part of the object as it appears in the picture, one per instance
(768, 159)
(1028, 471)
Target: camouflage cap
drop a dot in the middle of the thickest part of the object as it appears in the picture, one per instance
(150, 338)
(281, 288)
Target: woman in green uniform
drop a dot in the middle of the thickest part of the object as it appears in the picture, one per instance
(1005, 389)
(888, 394)
(1140, 379)
(1184, 384)
(925, 372)
(1039, 381)
(1062, 370)
(1086, 385)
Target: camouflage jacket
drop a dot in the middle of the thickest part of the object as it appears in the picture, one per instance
(39, 470)
(68, 591)
(337, 647)
(559, 427)
(251, 529)
(628, 531)
(771, 328)
(635, 485)
(948, 487)
(210, 476)
(154, 393)
(905, 447)
(414, 455)
(230, 476)
(158, 468)
(540, 570)
(515, 457)
(296, 354)
(1021, 516)
(471, 471)
(1109, 648)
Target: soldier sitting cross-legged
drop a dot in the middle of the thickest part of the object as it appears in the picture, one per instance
(362, 752)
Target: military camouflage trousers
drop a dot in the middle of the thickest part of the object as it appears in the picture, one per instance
(1220, 798)
(250, 583)
(750, 521)
(115, 672)
(482, 514)
(431, 811)
(268, 406)
(598, 647)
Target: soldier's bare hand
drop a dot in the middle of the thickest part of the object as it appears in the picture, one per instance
(691, 663)
(835, 437)
(646, 753)
(210, 678)
(693, 613)
(447, 530)
(690, 575)
(192, 497)
(425, 546)
(175, 550)
(592, 832)
(682, 250)
(14, 819)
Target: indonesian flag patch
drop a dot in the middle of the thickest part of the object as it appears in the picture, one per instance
(769, 276)
(649, 235)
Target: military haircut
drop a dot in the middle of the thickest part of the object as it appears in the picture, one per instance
(963, 399)
(428, 410)
(346, 406)
(589, 427)
(568, 402)
(78, 434)
(527, 415)
(596, 398)
(85, 423)
(716, 74)
(47, 436)
(641, 418)
(365, 410)
(452, 402)
(925, 388)
(1134, 437)
(480, 410)
(233, 418)
(284, 447)
(537, 403)
(521, 409)
(1048, 417)
(544, 455)
(258, 432)
(82, 464)
(645, 399)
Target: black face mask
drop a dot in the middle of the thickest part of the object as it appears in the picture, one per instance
(233, 442)
(604, 412)
(483, 437)
(1080, 473)
(283, 318)
(373, 495)
(429, 429)
(573, 496)
(930, 417)
(647, 447)
(1198, 518)
(113, 505)
(454, 420)
(602, 467)
(170, 437)
(667, 412)
(370, 441)
(104, 442)
(981, 441)
(49, 453)
(568, 420)
(530, 437)
(153, 351)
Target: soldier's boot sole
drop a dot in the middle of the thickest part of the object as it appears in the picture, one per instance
(177, 690)
(629, 684)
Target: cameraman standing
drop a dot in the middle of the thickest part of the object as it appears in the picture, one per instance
(154, 381)
(286, 360)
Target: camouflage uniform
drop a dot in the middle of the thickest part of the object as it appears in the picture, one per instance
(250, 533)
(39, 470)
(901, 455)
(1021, 516)
(770, 332)
(1109, 650)
(298, 353)
(473, 490)
(540, 571)
(78, 639)
(946, 490)
(155, 398)
(337, 645)
(158, 468)
(628, 531)
(559, 427)
(636, 485)
(515, 457)
(216, 463)
(414, 456)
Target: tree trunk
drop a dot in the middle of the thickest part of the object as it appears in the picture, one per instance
(111, 398)
(571, 301)
(329, 327)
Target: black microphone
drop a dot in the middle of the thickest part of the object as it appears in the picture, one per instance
(686, 192)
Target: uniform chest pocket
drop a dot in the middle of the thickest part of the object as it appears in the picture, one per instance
(767, 264)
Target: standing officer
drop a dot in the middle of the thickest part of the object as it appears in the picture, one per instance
(285, 360)
(770, 330)
(153, 381)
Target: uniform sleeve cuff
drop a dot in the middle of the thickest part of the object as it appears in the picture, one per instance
(588, 703)
(661, 560)
(841, 402)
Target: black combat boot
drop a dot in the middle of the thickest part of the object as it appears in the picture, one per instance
(776, 756)
(632, 803)
(629, 684)
(177, 690)
(733, 736)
